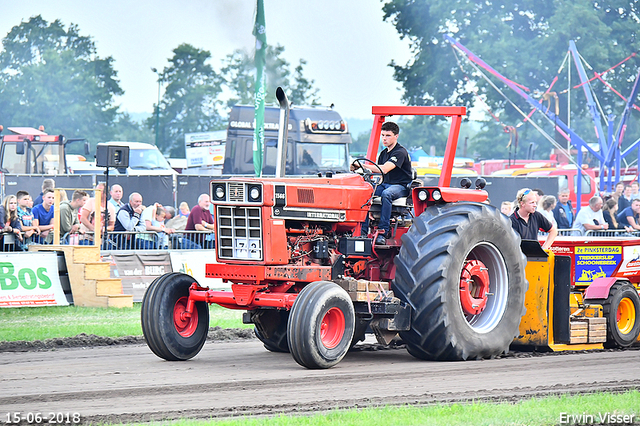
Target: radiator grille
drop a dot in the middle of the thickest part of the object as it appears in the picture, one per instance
(236, 192)
(239, 233)
(306, 196)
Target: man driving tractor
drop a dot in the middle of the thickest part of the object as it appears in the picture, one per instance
(395, 165)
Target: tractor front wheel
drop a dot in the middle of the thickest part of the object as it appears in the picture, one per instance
(170, 332)
(321, 325)
(621, 310)
(461, 270)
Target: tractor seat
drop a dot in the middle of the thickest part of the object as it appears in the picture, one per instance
(398, 202)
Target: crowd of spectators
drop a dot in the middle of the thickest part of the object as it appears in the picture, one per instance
(618, 211)
(128, 225)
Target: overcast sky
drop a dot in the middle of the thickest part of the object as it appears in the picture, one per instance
(346, 44)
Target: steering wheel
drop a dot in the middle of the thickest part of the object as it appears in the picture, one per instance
(369, 176)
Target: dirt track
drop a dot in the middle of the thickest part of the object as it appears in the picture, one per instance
(129, 383)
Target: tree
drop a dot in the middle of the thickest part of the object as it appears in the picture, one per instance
(525, 41)
(239, 74)
(52, 76)
(190, 101)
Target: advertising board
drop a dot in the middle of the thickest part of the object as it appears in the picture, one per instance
(30, 279)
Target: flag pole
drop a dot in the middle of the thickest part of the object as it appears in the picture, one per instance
(260, 34)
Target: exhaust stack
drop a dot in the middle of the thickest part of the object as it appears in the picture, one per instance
(283, 132)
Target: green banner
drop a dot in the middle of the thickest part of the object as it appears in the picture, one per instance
(260, 33)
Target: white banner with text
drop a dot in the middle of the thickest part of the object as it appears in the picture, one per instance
(30, 279)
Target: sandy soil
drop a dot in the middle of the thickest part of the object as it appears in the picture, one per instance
(123, 381)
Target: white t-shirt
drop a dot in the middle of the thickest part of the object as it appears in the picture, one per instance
(586, 215)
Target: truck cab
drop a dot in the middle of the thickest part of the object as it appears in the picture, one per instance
(30, 151)
(318, 141)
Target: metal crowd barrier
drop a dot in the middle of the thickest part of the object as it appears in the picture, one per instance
(571, 232)
(148, 240)
(613, 233)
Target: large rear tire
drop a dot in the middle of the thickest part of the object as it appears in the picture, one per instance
(169, 334)
(621, 309)
(461, 270)
(321, 325)
(271, 329)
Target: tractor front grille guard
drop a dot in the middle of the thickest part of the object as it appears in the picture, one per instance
(239, 233)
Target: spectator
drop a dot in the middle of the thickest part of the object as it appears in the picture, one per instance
(26, 217)
(46, 184)
(548, 203)
(184, 209)
(634, 190)
(563, 212)
(128, 220)
(618, 191)
(628, 218)
(200, 219)
(527, 222)
(506, 208)
(116, 196)
(590, 218)
(69, 222)
(609, 212)
(87, 216)
(153, 219)
(10, 224)
(179, 222)
(170, 212)
(625, 200)
(42, 216)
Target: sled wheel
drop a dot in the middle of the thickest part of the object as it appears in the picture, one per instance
(171, 334)
(271, 329)
(621, 311)
(461, 270)
(321, 325)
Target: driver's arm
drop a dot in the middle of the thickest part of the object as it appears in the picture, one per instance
(386, 167)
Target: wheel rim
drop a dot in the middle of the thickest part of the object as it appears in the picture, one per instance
(474, 287)
(332, 328)
(487, 269)
(185, 326)
(626, 316)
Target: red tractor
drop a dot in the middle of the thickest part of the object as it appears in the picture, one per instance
(450, 281)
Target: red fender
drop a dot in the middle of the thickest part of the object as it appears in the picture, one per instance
(599, 288)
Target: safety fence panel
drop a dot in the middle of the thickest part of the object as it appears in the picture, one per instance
(618, 233)
(189, 188)
(33, 183)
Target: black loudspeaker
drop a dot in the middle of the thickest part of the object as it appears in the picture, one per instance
(112, 156)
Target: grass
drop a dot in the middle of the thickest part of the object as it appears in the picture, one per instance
(532, 411)
(67, 321)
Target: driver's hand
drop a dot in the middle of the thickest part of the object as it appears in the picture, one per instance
(353, 167)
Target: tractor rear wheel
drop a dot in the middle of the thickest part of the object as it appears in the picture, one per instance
(171, 334)
(621, 309)
(271, 329)
(461, 270)
(321, 325)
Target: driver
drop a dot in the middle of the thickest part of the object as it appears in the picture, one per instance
(395, 165)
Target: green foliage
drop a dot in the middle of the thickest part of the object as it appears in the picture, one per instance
(239, 73)
(52, 76)
(525, 41)
(190, 99)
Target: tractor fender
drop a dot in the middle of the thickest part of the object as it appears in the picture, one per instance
(599, 288)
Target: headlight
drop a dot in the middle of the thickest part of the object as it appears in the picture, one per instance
(219, 193)
(437, 195)
(423, 194)
(254, 193)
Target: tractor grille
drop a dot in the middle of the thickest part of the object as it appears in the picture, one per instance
(236, 192)
(239, 233)
(306, 196)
